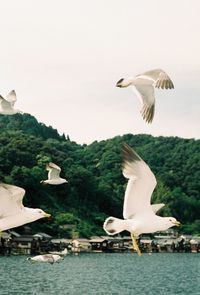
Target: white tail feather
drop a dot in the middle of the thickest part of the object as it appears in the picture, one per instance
(114, 225)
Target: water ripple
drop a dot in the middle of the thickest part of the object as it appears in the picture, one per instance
(110, 274)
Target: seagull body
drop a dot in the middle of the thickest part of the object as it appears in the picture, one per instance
(139, 215)
(54, 175)
(143, 85)
(61, 253)
(7, 104)
(12, 211)
(47, 258)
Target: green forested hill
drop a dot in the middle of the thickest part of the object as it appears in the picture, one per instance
(96, 185)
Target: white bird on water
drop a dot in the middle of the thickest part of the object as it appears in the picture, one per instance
(12, 211)
(54, 175)
(7, 104)
(139, 215)
(143, 85)
(48, 258)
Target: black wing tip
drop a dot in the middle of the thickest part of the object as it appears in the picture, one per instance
(128, 154)
(49, 165)
(148, 113)
(171, 85)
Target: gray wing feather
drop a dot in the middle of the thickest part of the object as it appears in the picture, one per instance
(11, 197)
(54, 171)
(140, 185)
(146, 95)
(161, 79)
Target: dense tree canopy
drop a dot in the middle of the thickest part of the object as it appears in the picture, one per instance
(96, 185)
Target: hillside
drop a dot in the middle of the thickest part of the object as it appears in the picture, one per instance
(96, 185)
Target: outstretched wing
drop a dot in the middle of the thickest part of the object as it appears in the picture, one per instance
(160, 78)
(140, 185)
(54, 171)
(11, 197)
(157, 207)
(11, 97)
(5, 105)
(146, 94)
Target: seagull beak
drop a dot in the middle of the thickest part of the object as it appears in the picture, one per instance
(47, 215)
(177, 223)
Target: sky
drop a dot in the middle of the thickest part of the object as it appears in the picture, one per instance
(64, 58)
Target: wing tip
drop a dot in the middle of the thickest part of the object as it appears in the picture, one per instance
(164, 83)
(128, 154)
(148, 113)
(12, 187)
(51, 165)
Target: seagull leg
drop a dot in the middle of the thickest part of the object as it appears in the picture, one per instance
(135, 245)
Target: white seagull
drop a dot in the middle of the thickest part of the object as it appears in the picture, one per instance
(53, 175)
(139, 215)
(50, 258)
(7, 104)
(12, 211)
(143, 85)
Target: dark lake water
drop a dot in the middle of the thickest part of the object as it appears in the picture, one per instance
(123, 274)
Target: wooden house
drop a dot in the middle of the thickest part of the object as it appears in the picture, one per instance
(195, 244)
(98, 244)
(22, 244)
(61, 244)
(81, 245)
(5, 243)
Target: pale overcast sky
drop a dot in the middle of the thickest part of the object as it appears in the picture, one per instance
(64, 58)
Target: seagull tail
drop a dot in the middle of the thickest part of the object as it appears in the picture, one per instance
(114, 225)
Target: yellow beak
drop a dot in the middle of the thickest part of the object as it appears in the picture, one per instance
(47, 215)
(177, 223)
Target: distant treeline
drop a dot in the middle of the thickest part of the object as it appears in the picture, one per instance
(96, 185)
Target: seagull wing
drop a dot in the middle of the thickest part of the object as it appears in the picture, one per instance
(160, 78)
(140, 185)
(146, 94)
(157, 207)
(11, 97)
(11, 197)
(54, 171)
(5, 105)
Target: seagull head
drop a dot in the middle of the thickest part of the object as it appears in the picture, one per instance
(39, 213)
(120, 83)
(171, 221)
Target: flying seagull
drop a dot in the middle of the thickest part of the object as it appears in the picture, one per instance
(12, 211)
(50, 258)
(7, 104)
(139, 215)
(143, 85)
(53, 175)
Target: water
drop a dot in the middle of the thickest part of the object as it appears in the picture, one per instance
(105, 274)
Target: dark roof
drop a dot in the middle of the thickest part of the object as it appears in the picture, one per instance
(14, 233)
(43, 235)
